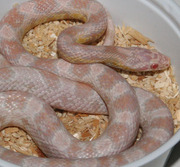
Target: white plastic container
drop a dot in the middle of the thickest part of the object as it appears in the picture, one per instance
(157, 19)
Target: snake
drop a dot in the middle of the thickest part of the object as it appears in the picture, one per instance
(82, 80)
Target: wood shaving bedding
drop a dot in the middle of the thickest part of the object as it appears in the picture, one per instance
(41, 42)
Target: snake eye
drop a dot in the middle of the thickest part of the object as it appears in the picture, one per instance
(154, 66)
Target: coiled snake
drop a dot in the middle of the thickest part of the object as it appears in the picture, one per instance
(84, 86)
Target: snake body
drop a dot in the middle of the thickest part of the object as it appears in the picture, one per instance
(78, 87)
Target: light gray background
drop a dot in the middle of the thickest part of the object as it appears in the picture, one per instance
(178, 2)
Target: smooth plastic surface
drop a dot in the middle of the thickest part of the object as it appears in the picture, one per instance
(157, 19)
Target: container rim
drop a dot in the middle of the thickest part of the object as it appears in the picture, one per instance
(168, 145)
(155, 154)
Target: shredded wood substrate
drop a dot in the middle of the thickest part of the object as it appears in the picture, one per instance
(41, 42)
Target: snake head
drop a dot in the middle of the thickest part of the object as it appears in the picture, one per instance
(141, 59)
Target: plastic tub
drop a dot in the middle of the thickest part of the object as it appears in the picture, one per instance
(157, 19)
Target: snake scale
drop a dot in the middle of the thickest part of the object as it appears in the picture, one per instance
(79, 82)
